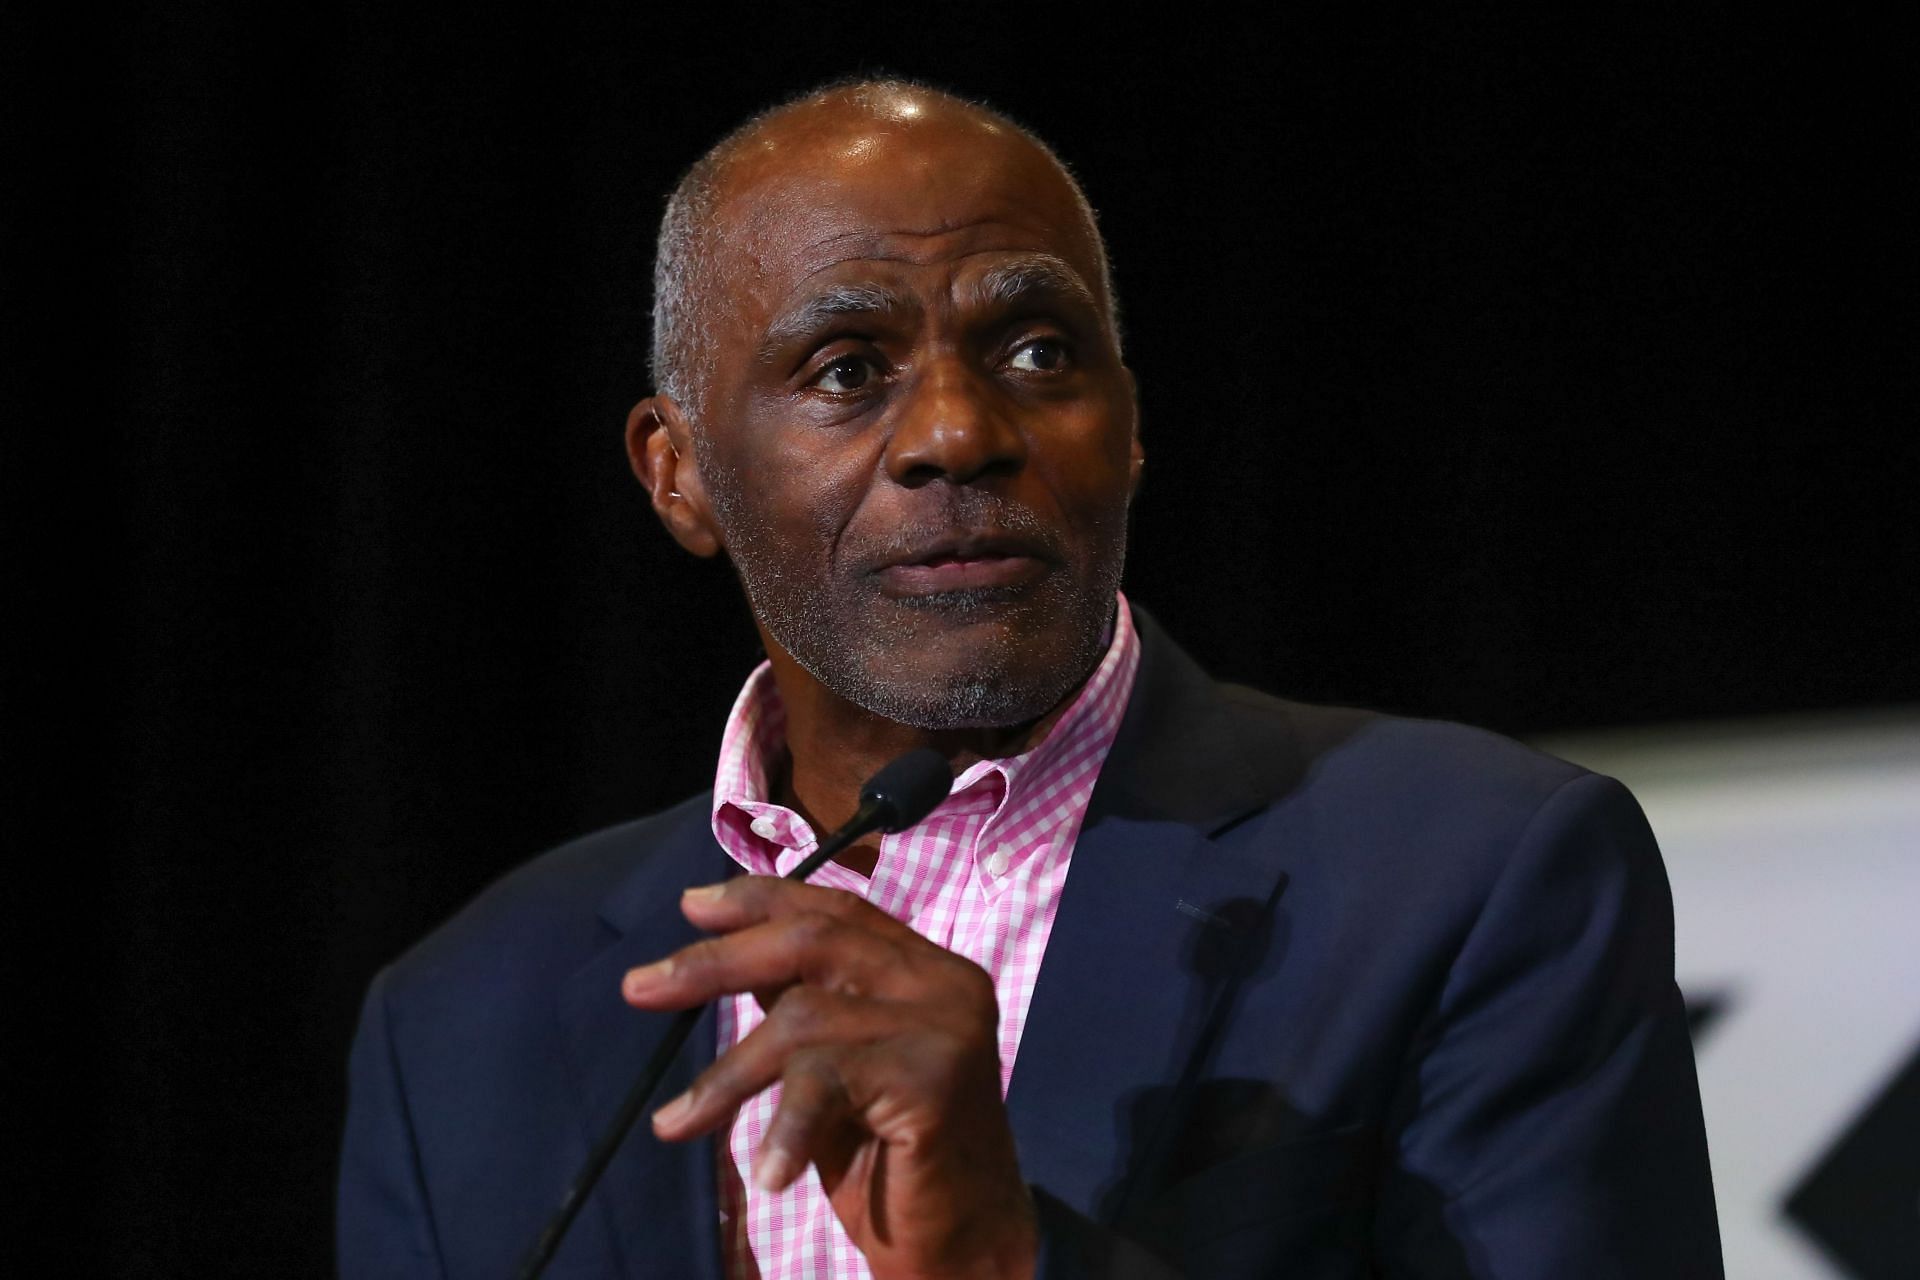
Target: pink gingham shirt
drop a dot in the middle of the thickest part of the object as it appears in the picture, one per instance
(981, 876)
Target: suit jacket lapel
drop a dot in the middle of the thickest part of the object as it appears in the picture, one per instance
(1155, 920)
(657, 1201)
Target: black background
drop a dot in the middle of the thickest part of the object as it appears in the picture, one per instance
(1519, 370)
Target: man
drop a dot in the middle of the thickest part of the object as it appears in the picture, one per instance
(1179, 980)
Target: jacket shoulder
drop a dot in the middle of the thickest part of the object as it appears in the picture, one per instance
(1380, 752)
(1443, 810)
(1197, 746)
(541, 919)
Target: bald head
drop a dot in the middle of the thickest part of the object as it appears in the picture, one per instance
(815, 140)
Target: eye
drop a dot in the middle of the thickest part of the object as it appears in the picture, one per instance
(846, 375)
(1041, 355)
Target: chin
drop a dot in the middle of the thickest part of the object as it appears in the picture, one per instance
(984, 674)
(964, 703)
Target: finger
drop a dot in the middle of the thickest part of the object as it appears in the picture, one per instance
(809, 947)
(805, 1022)
(815, 1103)
(750, 900)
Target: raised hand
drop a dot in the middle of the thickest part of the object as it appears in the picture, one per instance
(884, 1046)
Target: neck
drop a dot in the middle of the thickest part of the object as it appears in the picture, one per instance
(834, 746)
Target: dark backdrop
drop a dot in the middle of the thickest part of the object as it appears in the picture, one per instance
(1526, 372)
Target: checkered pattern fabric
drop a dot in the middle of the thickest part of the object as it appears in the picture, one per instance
(981, 876)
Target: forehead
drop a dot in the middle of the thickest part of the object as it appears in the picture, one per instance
(804, 201)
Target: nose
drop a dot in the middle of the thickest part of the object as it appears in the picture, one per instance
(952, 427)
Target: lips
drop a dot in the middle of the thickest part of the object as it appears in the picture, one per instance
(963, 562)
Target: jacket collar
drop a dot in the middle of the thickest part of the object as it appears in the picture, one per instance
(1164, 906)
(1190, 749)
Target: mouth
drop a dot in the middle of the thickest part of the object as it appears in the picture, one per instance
(963, 563)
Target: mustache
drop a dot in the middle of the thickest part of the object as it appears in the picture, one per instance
(960, 512)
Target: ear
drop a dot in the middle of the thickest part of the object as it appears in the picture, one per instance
(660, 450)
(1136, 455)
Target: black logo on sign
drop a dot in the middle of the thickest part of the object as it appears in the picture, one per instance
(1703, 1011)
(1861, 1203)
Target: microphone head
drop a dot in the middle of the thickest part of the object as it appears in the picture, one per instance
(908, 788)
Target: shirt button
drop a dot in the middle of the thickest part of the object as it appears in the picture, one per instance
(766, 826)
(997, 860)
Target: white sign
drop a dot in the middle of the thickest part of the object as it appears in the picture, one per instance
(1793, 847)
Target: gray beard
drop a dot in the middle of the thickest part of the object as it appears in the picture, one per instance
(828, 634)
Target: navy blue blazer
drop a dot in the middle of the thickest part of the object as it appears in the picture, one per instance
(1328, 994)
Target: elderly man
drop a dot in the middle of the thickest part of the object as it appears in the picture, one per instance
(1179, 979)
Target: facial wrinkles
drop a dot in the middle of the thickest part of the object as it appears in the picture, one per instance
(832, 618)
(796, 228)
(831, 303)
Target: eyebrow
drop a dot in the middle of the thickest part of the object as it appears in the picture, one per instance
(833, 303)
(1036, 275)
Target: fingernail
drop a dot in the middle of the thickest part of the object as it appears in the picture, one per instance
(674, 1112)
(774, 1169)
(705, 892)
(639, 980)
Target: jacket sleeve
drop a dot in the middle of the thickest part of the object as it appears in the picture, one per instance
(383, 1226)
(1548, 1118)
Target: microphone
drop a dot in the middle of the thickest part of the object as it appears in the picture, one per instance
(904, 791)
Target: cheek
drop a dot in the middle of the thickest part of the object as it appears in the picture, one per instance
(1091, 462)
(811, 483)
